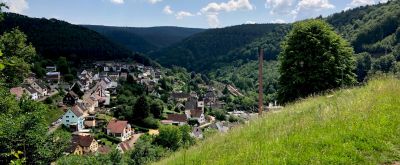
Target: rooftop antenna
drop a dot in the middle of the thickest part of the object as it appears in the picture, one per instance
(260, 80)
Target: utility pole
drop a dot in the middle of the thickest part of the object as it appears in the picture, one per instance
(260, 80)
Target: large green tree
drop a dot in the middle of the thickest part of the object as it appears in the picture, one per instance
(314, 59)
(17, 54)
(170, 137)
(23, 127)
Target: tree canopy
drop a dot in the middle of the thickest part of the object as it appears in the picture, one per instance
(314, 59)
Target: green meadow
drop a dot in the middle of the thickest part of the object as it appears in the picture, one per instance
(360, 125)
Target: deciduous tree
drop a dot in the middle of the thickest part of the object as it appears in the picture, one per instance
(314, 59)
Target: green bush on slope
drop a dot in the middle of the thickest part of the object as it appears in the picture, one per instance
(355, 126)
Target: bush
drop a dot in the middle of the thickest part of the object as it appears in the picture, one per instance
(170, 137)
(48, 100)
(150, 122)
(233, 118)
(193, 122)
(219, 114)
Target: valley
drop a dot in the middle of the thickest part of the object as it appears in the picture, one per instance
(76, 93)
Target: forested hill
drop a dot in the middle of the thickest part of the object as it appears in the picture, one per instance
(53, 38)
(145, 39)
(217, 47)
(374, 29)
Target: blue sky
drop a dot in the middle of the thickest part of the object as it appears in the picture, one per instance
(185, 13)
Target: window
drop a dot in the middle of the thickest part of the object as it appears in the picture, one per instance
(73, 116)
(67, 120)
(66, 116)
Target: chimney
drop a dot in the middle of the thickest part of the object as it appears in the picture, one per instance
(260, 80)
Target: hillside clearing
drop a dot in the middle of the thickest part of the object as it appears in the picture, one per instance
(356, 126)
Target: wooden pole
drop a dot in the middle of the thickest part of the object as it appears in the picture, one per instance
(260, 80)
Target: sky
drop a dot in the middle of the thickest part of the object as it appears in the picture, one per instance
(184, 13)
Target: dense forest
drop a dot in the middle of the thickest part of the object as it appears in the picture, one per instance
(145, 39)
(217, 47)
(372, 29)
(53, 38)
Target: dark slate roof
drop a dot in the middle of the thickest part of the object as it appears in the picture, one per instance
(210, 94)
(30, 89)
(73, 94)
(41, 84)
(83, 141)
(191, 104)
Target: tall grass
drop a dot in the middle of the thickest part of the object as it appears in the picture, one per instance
(350, 126)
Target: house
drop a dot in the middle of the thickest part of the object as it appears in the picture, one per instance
(17, 91)
(119, 129)
(51, 68)
(83, 145)
(90, 104)
(74, 118)
(210, 98)
(32, 92)
(178, 119)
(103, 97)
(196, 133)
(84, 84)
(41, 87)
(180, 97)
(123, 76)
(191, 104)
(108, 83)
(71, 98)
(53, 77)
(114, 76)
(125, 146)
(198, 115)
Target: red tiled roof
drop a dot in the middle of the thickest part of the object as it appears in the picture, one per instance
(77, 111)
(125, 146)
(103, 149)
(117, 126)
(196, 113)
(177, 117)
(18, 91)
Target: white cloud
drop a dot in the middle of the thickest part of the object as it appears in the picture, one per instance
(212, 10)
(231, 5)
(250, 22)
(213, 20)
(117, 1)
(167, 10)
(297, 9)
(361, 2)
(314, 4)
(356, 3)
(279, 6)
(278, 21)
(182, 14)
(154, 1)
(16, 6)
(310, 8)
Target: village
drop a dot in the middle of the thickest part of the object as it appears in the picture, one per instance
(86, 106)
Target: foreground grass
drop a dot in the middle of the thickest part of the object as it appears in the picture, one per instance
(356, 126)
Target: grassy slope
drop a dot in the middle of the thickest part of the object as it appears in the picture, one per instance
(356, 126)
